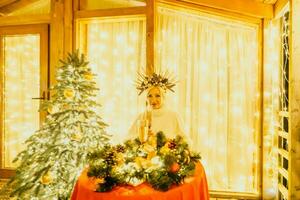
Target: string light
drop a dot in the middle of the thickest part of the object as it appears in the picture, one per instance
(21, 62)
(200, 114)
(271, 107)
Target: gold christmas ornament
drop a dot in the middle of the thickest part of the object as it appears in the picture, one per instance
(88, 76)
(69, 93)
(46, 179)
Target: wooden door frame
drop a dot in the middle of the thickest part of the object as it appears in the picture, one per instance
(42, 30)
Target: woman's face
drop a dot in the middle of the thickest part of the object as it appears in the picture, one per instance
(154, 98)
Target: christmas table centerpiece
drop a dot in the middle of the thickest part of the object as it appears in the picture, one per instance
(159, 161)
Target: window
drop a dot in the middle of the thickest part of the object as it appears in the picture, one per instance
(218, 94)
(215, 61)
(23, 77)
(116, 51)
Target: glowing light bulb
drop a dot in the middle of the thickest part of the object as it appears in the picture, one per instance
(120, 39)
(103, 34)
(133, 36)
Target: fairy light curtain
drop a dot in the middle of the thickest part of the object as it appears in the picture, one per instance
(271, 94)
(21, 71)
(216, 63)
(116, 52)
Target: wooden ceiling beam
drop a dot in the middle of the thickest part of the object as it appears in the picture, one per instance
(138, 10)
(279, 5)
(150, 20)
(25, 19)
(15, 5)
(267, 1)
(6, 2)
(245, 7)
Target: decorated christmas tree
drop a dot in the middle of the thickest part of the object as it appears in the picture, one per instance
(57, 153)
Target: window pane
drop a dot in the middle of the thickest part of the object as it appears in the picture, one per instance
(215, 61)
(21, 84)
(116, 52)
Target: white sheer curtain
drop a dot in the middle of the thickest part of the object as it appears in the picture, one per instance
(21, 83)
(116, 52)
(216, 63)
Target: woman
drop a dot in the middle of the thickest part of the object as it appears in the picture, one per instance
(158, 117)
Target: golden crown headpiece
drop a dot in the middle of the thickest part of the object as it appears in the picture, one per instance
(163, 80)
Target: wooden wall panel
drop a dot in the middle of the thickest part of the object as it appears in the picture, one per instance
(294, 147)
(150, 18)
(61, 33)
(246, 7)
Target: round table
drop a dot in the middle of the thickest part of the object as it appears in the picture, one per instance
(194, 188)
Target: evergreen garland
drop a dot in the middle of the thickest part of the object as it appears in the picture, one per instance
(162, 165)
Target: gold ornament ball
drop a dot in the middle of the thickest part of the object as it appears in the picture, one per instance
(88, 76)
(69, 93)
(46, 179)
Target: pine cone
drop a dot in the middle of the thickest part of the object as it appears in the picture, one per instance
(110, 158)
(120, 148)
(172, 145)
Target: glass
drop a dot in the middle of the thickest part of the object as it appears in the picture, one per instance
(143, 130)
(21, 75)
(215, 95)
(124, 39)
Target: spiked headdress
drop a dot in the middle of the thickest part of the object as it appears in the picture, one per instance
(163, 80)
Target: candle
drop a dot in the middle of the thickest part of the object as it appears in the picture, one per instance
(143, 129)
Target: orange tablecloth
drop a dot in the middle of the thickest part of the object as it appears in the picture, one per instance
(195, 188)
